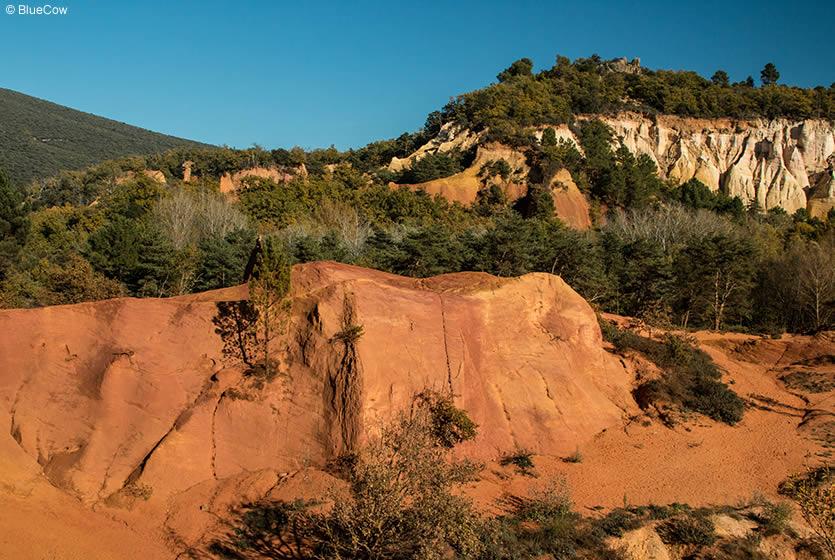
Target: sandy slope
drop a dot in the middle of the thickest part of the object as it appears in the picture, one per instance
(128, 429)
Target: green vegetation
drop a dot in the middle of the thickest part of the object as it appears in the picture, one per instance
(400, 501)
(401, 498)
(13, 223)
(450, 425)
(592, 85)
(681, 257)
(814, 492)
(268, 290)
(688, 530)
(522, 459)
(397, 503)
(39, 139)
(248, 328)
(436, 166)
(668, 254)
(689, 379)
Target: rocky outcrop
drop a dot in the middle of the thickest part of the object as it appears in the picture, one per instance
(448, 138)
(822, 194)
(231, 182)
(126, 397)
(153, 174)
(463, 187)
(132, 407)
(570, 205)
(782, 163)
(777, 163)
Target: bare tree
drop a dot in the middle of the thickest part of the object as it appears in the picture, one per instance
(352, 228)
(815, 282)
(189, 217)
(669, 225)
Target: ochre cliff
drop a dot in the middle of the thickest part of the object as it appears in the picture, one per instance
(128, 428)
(776, 163)
(120, 394)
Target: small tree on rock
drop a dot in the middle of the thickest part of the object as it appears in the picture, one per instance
(268, 288)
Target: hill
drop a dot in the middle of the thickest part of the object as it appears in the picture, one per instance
(636, 211)
(39, 139)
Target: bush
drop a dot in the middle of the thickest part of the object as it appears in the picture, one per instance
(544, 526)
(450, 425)
(522, 459)
(774, 517)
(620, 521)
(687, 530)
(814, 492)
(349, 335)
(549, 502)
(689, 377)
(398, 504)
(436, 166)
(575, 457)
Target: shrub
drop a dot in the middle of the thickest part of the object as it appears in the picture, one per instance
(450, 425)
(814, 492)
(522, 459)
(399, 504)
(350, 334)
(619, 521)
(689, 377)
(774, 517)
(436, 166)
(494, 168)
(687, 530)
(575, 457)
(551, 501)
(544, 526)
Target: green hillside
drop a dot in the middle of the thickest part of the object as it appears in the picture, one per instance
(38, 138)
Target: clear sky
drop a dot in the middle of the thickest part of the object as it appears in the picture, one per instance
(345, 73)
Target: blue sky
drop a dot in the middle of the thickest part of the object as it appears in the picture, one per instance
(345, 73)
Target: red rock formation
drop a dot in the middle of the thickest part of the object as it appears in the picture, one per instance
(131, 407)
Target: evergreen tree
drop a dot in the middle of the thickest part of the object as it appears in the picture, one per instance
(720, 78)
(537, 202)
(268, 289)
(522, 67)
(769, 74)
(13, 223)
(222, 261)
(719, 273)
(135, 253)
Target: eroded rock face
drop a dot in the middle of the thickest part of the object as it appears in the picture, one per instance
(463, 187)
(777, 163)
(450, 137)
(231, 182)
(126, 398)
(570, 205)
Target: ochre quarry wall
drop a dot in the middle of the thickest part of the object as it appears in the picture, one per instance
(123, 396)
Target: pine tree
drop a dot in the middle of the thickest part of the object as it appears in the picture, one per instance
(769, 74)
(13, 223)
(268, 289)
